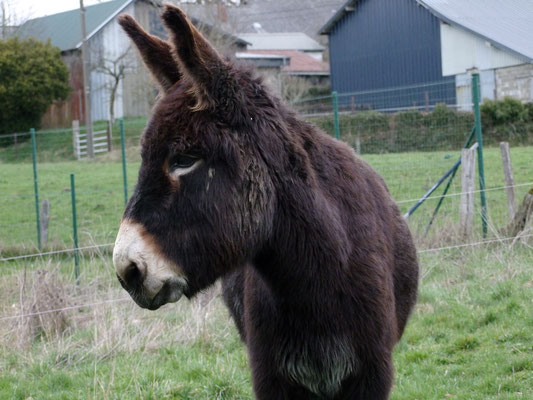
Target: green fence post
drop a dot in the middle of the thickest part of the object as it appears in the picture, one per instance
(124, 172)
(36, 186)
(479, 137)
(75, 230)
(335, 99)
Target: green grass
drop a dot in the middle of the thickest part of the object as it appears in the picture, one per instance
(100, 199)
(470, 337)
(55, 145)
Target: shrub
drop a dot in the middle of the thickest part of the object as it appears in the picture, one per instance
(410, 130)
(528, 112)
(442, 129)
(32, 76)
(498, 112)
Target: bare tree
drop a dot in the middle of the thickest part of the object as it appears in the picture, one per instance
(10, 19)
(115, 69)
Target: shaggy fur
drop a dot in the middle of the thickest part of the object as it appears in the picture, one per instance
(320, 271)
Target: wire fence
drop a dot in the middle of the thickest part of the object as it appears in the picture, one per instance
(410, 135)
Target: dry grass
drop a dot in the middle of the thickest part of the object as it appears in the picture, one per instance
(97, 318)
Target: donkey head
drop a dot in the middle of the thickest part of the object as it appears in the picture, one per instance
(203, 203)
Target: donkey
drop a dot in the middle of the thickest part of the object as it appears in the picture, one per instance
(319, 268)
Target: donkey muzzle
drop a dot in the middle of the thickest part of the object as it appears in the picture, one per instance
(143, 271)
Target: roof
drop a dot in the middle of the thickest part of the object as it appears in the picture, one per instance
(64, 29)
(272, 15)
(281, 41)
(300, 63)
(505, 24)
(347, 7)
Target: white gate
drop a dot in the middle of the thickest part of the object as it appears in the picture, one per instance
(101, 140)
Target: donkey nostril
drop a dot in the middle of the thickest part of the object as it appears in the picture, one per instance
(132, 276)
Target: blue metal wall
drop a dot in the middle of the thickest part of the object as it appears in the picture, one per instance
(385, 44)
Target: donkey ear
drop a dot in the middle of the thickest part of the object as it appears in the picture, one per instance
(156, 53)
(197, 59)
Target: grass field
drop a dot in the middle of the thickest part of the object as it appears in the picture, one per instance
(470, 337)
(100, 199)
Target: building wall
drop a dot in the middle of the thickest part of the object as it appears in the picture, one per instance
(516, 82)
(389, 43)
(463, 82)
(60, 114)
(462, 51)
(140, 91)
(105, 47)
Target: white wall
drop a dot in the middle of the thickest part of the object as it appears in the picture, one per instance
(107, 44)
(463, 86)
(462, 51)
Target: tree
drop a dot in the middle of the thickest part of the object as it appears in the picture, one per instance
(8, 18)
(32, 76)
(115, 69)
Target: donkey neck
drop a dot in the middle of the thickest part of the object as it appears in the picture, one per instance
(308, 241)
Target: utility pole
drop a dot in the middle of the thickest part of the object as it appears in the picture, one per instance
(86, 86)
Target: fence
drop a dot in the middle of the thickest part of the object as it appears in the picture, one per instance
(101, 187)
(101, 140)
(412, 147)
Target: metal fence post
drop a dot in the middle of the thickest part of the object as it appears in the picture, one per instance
(479, 136)
(36, 186)
(335, 100)
(75, 229)
(124, 172)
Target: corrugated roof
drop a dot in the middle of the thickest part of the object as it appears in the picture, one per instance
(64, 29)
(507, 24)
(281, 41)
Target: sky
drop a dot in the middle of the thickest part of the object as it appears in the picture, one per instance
(27, 9)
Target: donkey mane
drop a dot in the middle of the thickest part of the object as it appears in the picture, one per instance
(319, 270)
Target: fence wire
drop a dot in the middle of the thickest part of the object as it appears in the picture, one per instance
(411, 135)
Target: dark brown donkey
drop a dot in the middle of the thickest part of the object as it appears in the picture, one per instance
(319, 268)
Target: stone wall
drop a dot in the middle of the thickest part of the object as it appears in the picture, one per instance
(516, 82)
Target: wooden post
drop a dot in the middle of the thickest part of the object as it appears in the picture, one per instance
(15, 142)
(468, 162)
(109, 135)
(76, 138)
(522, 216)
(509, 178)
(358, 144)
(45, 217)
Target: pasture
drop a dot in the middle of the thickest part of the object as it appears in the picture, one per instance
(470, 336)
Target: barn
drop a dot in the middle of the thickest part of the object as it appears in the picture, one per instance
(428, 49)
(108, 50)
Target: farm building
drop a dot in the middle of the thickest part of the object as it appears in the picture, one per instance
(298, 58)
(494, 37)
(430, 46)
(109, 50)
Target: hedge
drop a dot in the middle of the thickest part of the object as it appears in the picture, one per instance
(441, 129)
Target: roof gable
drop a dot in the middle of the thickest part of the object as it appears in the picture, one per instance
(507, 25)
(64, 29)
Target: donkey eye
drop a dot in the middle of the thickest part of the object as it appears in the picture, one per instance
(181, 161)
